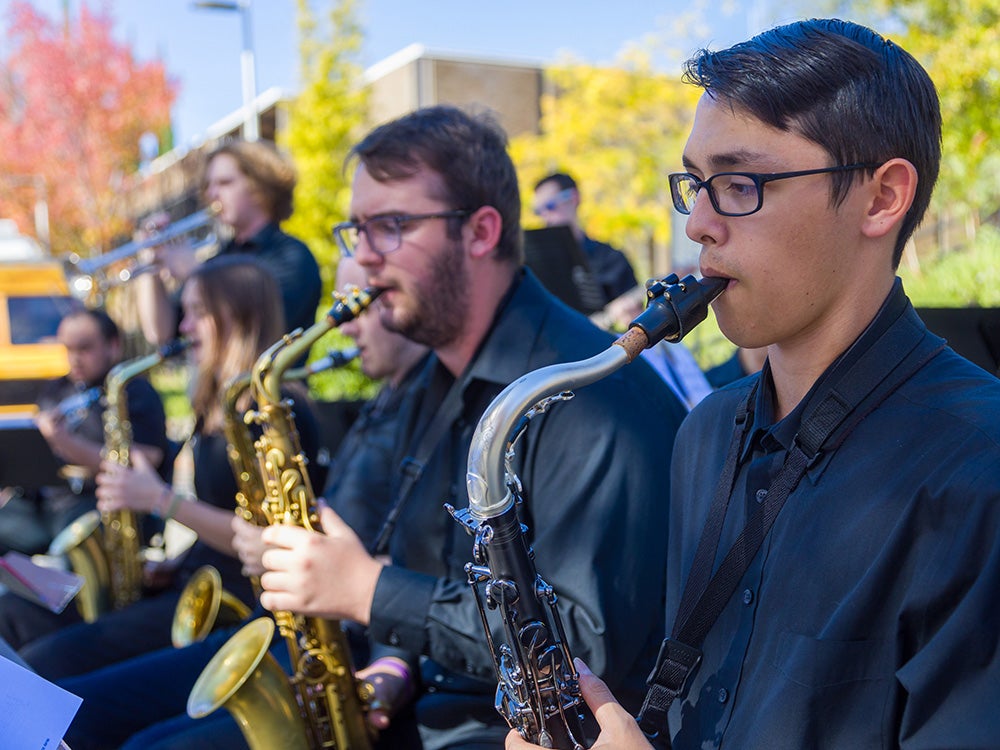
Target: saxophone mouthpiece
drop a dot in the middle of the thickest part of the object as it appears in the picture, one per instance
(350, 305)
(676, 306)
(173, 348)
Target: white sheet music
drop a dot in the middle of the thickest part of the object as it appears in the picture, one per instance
(34, 713)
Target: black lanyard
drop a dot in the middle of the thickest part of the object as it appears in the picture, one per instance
(879, 371)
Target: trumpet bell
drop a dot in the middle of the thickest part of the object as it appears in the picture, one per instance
(204, 605)
(248, 682)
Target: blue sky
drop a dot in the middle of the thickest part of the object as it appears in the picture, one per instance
(202, 47)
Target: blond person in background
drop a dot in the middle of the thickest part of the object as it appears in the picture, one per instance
(252, 184)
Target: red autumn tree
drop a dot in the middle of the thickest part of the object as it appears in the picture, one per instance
(73, 105)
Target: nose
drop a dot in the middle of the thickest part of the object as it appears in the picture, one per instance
(364, 254)
(703, 223)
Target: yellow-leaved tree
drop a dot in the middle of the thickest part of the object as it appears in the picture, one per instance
(325, 120)
(618, 131)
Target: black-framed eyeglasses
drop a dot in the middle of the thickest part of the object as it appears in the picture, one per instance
(384, 233)
(736, 193)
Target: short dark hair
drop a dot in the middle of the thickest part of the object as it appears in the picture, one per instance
(562, 180)
(271, 173)
(468, 151)
(859, 96)
(106, 326)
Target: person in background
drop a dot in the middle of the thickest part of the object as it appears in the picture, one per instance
(556, 202)
(70, 419)
(838, 587)
(232, 313)
(435, 223)
(252, 185)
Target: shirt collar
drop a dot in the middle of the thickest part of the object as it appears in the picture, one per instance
(768, 435)
(261, 239)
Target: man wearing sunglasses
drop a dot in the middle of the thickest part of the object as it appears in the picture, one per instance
(557, 199)
(834, 542)
(435, 223)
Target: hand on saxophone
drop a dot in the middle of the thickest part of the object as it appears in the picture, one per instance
(138, 487)
(619, 730)
(327, 574)
(249, 545)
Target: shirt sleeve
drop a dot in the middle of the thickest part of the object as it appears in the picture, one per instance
(952, 677)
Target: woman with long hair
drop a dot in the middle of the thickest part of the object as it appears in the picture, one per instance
(231, 313)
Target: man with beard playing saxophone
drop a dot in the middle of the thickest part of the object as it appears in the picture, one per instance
(435, 222)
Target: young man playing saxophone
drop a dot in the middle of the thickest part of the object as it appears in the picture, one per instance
(864, 615)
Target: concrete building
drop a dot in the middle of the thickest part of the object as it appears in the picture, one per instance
(412, 78)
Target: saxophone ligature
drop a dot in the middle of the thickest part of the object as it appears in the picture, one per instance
(322, 705)
(538, 691)
(204, 604)
(105, 548)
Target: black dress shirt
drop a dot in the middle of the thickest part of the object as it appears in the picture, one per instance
(594, 476)
(869, 617)
(291, 263)
(609, 267)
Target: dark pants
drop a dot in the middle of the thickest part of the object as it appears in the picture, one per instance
(22, 622)
(115, 637)
(29, 525)
(125, 699)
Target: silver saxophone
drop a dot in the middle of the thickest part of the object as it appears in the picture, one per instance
(538, 691)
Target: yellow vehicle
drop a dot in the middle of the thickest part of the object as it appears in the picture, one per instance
(34, 296)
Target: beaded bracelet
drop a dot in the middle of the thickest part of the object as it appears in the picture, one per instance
(175, 503)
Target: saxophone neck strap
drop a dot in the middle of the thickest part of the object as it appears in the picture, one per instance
(413, 464)
(825, 426)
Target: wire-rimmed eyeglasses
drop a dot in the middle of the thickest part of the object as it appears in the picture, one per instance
(384, 233)
(736, 193)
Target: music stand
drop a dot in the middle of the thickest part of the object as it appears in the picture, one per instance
(26, 461)
(557, 259)
(973, 332)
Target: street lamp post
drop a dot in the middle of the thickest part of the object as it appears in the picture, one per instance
(247, 68)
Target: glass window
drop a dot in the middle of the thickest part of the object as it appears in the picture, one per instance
(34, 320)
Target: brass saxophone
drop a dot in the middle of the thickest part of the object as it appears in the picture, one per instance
(105, 548)
(323, 705)
(538, 689)
(204, 604)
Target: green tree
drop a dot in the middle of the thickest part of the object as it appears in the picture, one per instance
(325, 120)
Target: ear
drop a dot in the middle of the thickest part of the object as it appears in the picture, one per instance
(892, 189)
(482, 231)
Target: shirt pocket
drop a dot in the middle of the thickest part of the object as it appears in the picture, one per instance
(817, 662)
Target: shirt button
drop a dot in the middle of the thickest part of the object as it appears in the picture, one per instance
(393, 638)
(747, 596)
(761, 494)
(722, 695)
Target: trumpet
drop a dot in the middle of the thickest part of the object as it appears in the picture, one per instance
(89, 278)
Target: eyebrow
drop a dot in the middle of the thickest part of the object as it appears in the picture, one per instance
(741, 159)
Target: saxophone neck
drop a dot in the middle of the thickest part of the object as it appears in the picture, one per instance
(674, 307)
(270, 368)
